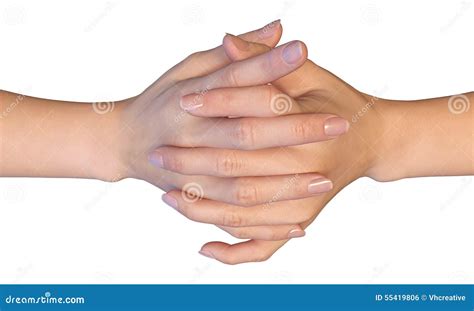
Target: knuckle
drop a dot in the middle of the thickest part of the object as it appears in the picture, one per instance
(270, 92)
(245, 133)
(266, 65)
(274, 235)
(228, 164)
(231, 219)
(246, 193)
(176, 164)
(193, 57)
(231, 76)
(302, 130)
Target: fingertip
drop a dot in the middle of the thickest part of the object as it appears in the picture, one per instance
(295, 53)
(304, 49)
(335, 126)
(213, 250)
(170, 200)
(234, 46)
(297, 232)
(214, 246)
(274, 37)
(269, 34)
(191, 102)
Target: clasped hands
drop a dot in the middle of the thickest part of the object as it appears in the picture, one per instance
(252, 138)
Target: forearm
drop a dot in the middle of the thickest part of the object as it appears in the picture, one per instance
(426, 138)
(47, 138)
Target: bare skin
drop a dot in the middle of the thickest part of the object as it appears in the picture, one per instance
(111, 141)
(388, 140)
(263, 176)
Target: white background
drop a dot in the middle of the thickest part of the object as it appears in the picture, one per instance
(81, 231)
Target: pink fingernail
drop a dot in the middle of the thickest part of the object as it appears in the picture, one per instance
(335, 126)
(156, 159)
(206, 253)
(269, 30)
(296, 233)
(293, 52)
(191, 102)
(320, 185)
(170, 200)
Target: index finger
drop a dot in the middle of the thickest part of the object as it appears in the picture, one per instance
(257, 70)
(296, 83)
(204, 62)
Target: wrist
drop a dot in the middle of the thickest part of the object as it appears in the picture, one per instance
(388, 145)
(130, 143)
(425, 138)
(113, 141)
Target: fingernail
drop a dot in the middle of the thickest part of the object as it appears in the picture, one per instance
(191, 102)
(156, 159)
(296, 233)
(239, 43)
(269, 30)
(320, 185)
(336, 126)
(206, 253)
(292, 52)
(170, 200)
